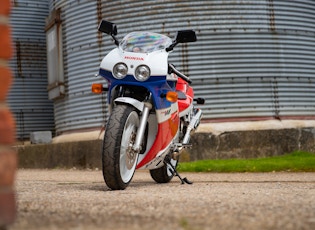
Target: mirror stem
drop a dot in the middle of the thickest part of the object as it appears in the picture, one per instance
(171, 47)
(115, 40)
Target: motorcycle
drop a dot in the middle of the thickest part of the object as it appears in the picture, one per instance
(151, 107)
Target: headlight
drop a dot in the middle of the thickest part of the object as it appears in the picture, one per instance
(142, 73)
(120, 70)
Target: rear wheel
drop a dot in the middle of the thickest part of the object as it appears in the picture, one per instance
(165, 173)
(118, 159)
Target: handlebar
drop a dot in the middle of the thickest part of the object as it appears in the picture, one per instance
(179, 74)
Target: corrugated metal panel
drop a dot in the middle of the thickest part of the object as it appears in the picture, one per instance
(28, 98)
(55, 4)
(253, 58)
(294, 21)
(80, 108)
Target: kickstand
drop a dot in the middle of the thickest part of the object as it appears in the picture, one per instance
(174, 172)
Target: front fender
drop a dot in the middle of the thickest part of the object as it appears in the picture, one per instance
(131, 101)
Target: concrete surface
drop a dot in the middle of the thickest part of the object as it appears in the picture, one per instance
(41, 137)
(79, 199)
(211, 141)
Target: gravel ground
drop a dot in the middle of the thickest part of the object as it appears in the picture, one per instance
(75, 199)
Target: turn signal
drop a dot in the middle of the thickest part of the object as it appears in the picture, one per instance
(171, 96)
(97, 88)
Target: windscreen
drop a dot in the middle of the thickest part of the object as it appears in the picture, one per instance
(144, 42)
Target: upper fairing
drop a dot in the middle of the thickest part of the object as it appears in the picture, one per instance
(140, 48)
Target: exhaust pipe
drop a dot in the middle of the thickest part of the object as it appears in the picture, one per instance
(193, 124)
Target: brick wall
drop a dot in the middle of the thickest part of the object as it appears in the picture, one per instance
(8, 157)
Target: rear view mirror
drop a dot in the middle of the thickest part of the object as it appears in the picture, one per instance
(184, 36)
(108, 27)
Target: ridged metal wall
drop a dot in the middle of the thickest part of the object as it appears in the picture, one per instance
(28, 97)
(254, 59)
(80, 109)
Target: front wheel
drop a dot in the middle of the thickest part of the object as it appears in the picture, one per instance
(118, 159)
(165, 173)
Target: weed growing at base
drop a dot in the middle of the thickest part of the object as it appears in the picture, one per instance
(293, 162)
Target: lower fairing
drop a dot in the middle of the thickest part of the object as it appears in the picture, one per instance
(164, 138)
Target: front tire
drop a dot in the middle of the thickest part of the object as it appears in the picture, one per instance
(118, 159)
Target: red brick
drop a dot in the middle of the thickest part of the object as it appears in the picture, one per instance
(5, 44)
(6, 79)
(7, 127)
(5, 7)
(8, 157)
(7, 207)
(8, 166)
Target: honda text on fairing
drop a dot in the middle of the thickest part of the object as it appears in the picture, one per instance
(151, 107)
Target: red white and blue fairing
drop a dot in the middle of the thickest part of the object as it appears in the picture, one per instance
(148, 49)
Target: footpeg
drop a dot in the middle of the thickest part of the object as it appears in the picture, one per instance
(184, 146)
(200, 101)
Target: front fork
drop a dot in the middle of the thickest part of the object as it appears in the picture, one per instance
(142, 127)
(144, 108)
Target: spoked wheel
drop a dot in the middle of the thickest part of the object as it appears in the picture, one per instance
(165, 173)
(118, 159)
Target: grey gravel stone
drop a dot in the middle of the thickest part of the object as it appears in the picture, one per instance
(75, 199)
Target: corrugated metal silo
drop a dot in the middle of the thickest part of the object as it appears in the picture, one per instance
(79, 108)
(28, 97)
(254, 59)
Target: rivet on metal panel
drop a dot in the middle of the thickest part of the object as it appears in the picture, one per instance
(276, 103)
(272, 22)
(18, 59)
(163, 27)
(99, 34)
(20, 123)
(99, 11)
(185, 59)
